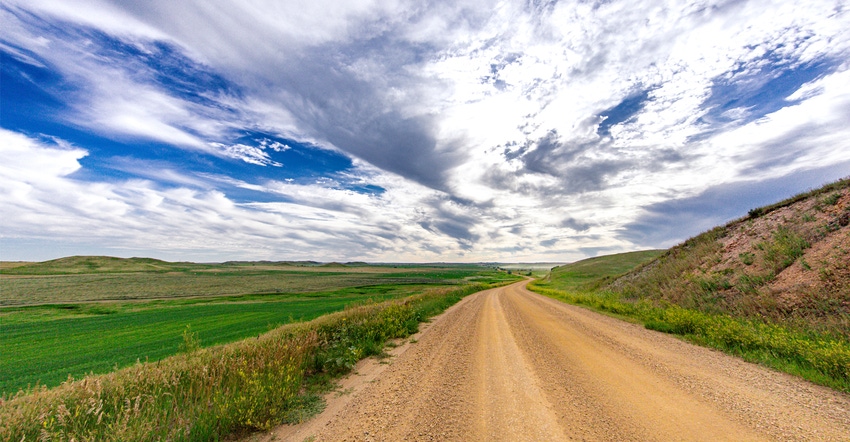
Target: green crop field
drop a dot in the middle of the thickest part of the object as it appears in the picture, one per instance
(59, 321)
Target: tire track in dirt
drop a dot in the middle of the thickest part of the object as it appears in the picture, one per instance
(508, 364)
(631, 401)
(506, 382)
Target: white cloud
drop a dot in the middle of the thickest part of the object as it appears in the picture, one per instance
(809, 135)
(428, 98)
(95, 13)
(42, 200)
(249, 154)
(128, 110)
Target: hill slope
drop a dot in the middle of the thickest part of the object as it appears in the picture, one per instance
(90, 264)
(593, 273)
(788, 263)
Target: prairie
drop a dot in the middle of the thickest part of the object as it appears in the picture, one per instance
(84, 315)
(86, 279)
(224, 390)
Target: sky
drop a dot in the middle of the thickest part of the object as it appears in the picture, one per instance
(409, 131)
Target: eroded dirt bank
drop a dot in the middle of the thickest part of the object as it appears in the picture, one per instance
(508, 364)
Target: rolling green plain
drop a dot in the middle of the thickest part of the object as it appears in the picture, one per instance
(85, 315)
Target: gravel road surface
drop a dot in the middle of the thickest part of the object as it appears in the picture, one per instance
(507, 364)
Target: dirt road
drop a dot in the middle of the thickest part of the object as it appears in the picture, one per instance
(507, 364)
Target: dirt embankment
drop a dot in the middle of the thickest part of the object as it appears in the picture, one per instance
(508, 364)
(820, 272)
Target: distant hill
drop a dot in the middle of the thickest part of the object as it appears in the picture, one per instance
(786, 262)
(91, 264)
(273, 263)
(108, 264)
(357, 264)
(334, 265)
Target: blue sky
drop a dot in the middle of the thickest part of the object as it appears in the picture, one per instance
(409, 131)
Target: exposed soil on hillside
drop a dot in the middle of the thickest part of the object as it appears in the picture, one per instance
(824, 224)
(788, 263)
(508, 364)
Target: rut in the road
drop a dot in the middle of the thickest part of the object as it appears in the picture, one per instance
(508, 364)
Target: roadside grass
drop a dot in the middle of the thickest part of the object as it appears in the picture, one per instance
(822, 358)
(212, 393)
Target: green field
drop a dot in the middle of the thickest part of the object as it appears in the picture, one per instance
(225, 391)
(78, 323)
(85, 279)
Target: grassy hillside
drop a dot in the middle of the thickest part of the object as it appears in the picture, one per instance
(595, 272)
(788, 263)
(12, 264)
(108, 264)
(773, 287)
(93, 264)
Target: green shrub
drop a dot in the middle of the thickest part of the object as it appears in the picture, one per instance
(785, 248)
(832, 199)
(749, 284)
(676, 320)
